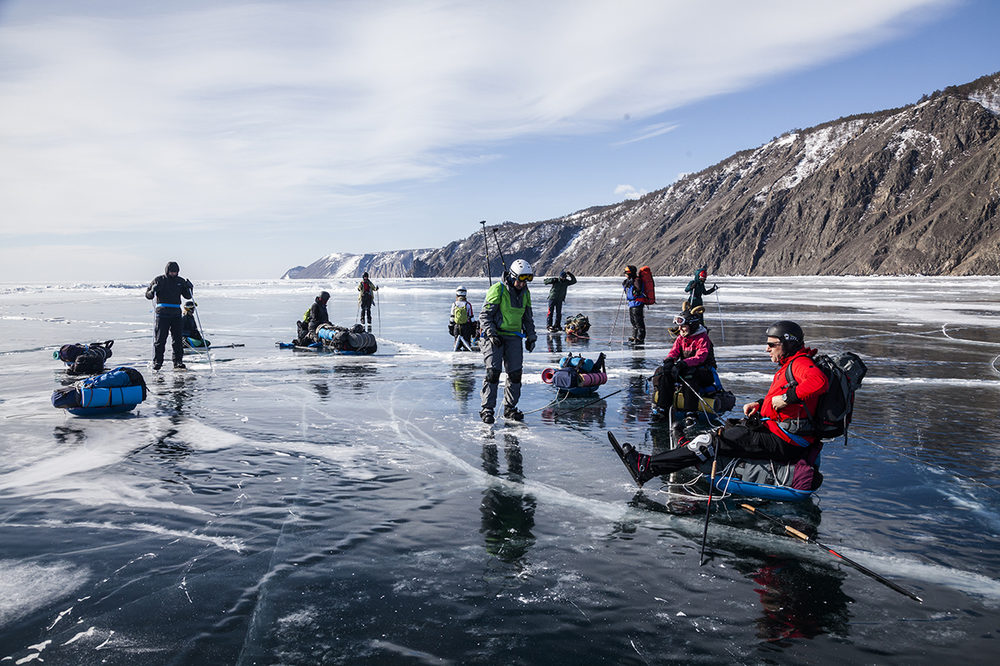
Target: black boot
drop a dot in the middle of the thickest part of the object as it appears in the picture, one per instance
(638, 464)
(513, 413)
(487, 416)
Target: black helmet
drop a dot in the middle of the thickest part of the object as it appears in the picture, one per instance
(631, 270)
(172, 267)
(323, 297)
(789, 333)
(365, 274)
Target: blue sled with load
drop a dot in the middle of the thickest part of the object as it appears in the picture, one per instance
(338, 340)
(576, 375)
(114, 392)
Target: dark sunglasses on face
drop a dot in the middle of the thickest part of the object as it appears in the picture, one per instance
(772, 345)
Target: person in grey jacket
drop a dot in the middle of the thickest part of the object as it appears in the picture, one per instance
(506, 318)
(557, 294)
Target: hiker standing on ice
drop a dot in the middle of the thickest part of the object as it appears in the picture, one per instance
(636, 297)
(557, 294)
(168, 289)
(506, 318)
(696, 288)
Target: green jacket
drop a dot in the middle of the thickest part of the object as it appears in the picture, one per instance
(507, 312)
(557, 292)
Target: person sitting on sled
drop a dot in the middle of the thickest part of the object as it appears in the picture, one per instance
(691, 361)
(777, 427)
(189, 327)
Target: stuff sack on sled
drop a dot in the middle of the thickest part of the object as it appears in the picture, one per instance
(116, 391)
(84, 359)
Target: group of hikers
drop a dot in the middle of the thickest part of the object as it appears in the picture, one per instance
(772, 428)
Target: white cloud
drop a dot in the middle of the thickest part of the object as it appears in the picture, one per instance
(121, 116)
(629, 192)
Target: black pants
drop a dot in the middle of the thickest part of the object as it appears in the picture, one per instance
(168, 323)
(366, 310)
(638, 319)
(736, 441)
(554, 315)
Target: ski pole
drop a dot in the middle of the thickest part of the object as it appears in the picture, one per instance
(722, 322)
(378, 312)
(486, 247)
(500, 249)
(808, 539)
(708, 508)
(611, 338)
(201, 329)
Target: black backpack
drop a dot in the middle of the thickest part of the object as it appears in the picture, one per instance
(835, 407)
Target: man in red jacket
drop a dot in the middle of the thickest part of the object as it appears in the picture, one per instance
(777, 427)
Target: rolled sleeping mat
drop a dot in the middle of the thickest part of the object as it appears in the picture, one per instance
(593, 378)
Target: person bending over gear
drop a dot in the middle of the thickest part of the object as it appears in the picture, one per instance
(692, 358)
(557, 294)
(189, 326)
(461, 322)
(777, 427)
(635, 295)
(505, 316)
(315, 317)
(168, 289)
(696, 288)
(366, 296)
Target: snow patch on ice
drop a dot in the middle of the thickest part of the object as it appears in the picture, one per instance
(26, 586)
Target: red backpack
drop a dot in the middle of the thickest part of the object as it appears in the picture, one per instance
(648, 288)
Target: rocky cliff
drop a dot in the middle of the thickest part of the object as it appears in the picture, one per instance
(914, 190)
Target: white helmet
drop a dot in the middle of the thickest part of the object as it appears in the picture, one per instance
(521, 267)
(460, 291)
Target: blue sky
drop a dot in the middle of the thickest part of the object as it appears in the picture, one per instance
(243, 138)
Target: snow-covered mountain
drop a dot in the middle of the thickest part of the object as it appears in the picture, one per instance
(914, 190)
(398, 263)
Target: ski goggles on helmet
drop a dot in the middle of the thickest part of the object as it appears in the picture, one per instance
(526, 278)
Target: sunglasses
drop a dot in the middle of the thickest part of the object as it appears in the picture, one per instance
(525, 278)
(772, 345)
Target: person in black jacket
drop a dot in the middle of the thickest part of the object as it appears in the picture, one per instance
(318, 314)
(168, 289)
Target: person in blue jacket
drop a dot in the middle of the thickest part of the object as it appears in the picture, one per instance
(168, 289)
(635, 295)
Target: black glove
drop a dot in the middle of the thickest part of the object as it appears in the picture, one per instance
(530, 345)
(715, 287)
(496, 341)
(675, 372)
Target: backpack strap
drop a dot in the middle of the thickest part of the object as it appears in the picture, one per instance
(790, 378)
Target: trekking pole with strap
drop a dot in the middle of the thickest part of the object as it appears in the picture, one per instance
(611, 338)
(378, 311)
(808, 539)
(201, 329)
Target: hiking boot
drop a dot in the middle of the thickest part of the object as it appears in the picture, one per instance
(179, 365)
(639, 462)
(487, 416)
(157, 365)
(513, 413)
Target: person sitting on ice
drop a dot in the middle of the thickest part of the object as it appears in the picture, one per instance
(314, 317)
(776, 427)
(691, 361)
(189, 327)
